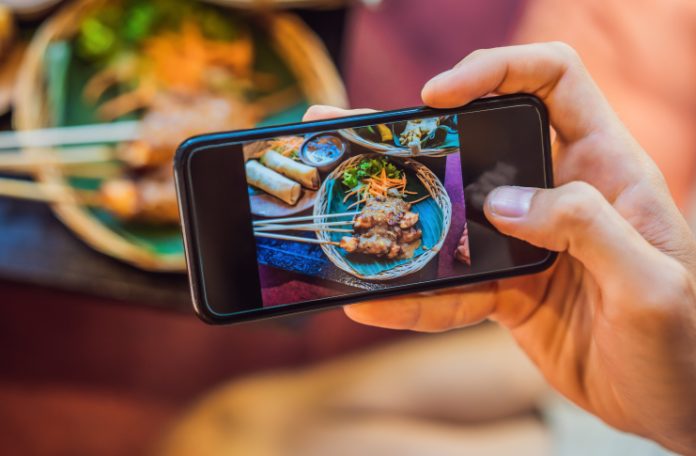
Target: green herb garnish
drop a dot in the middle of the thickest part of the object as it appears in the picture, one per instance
(367, 168)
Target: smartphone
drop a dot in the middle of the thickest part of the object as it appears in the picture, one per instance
(291, 218)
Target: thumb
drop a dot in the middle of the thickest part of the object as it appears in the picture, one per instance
(573, 218)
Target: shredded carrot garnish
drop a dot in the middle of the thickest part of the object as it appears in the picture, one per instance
(379, 185)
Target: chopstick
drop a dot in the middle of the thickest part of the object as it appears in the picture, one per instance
(60, 136)
(301, 219)
(285, 237)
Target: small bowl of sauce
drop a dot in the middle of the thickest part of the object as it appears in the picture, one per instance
(323, 151)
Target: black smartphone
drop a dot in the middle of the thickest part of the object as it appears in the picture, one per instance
(291, 218)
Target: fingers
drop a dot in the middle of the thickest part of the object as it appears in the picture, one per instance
(428, 312)
(577, 219)
(319, 112)
(552, 71)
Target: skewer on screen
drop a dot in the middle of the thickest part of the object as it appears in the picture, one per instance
(302, 218)
(285, 237)
(308, 227)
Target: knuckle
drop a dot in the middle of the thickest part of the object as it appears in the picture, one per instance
(675, 288)
(663, 304)
(565, 51)
(473, 55)
(578, 205)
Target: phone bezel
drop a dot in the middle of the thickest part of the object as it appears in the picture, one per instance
(214, 140)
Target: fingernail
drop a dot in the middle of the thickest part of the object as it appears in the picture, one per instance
(511, 202)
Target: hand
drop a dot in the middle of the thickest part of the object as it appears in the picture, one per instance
(612, 325)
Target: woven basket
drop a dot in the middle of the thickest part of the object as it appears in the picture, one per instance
(303, 52)
(431, 183)
(280, 4)
(395, 151)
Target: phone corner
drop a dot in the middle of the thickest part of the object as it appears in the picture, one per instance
(207, 316)
(183, 152)
(546, 263)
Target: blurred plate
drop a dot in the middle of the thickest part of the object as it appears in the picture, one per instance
(265, 205)
(50, 94)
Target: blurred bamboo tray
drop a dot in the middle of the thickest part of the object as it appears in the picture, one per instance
(281, 4)
(299, 48)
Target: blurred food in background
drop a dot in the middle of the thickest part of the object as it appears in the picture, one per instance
(187, 70)
(11, 52)
(7, 28)
(176, 69)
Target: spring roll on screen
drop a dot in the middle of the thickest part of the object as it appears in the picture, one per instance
(273, 183)
(308, 176)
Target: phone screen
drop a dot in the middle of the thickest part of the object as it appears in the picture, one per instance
(357, 209)
(328, 215)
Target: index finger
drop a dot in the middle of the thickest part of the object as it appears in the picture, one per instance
(428, 312)
(551, 71)
(319, 112)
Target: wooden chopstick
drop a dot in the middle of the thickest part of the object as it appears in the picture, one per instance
(285, 237)
(301, 219)
(116, 132)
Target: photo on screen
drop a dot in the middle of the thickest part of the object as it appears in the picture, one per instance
(357, 209)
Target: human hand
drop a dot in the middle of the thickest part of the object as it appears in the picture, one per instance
(612, 325)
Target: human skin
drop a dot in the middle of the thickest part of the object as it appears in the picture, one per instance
(612, 325)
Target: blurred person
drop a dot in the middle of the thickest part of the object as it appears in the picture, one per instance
(466, 392)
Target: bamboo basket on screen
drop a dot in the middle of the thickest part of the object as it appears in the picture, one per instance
(302, 55)
(431, 202)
